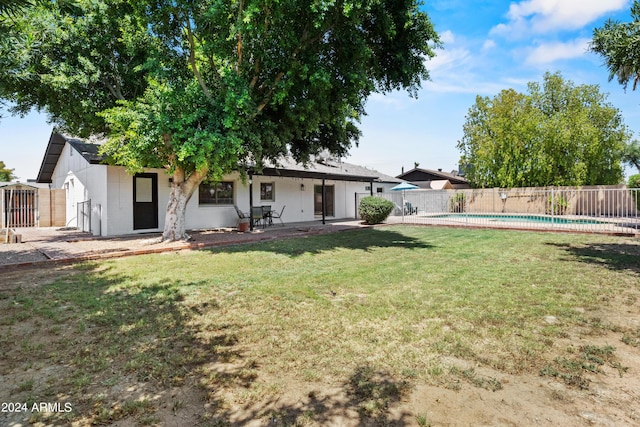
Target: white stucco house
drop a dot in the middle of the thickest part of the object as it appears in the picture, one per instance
(107, 201)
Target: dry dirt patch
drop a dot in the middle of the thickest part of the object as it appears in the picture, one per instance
(251, 396)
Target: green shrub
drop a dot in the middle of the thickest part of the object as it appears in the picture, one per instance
(557, 206)
(458, 202)
(374, 210)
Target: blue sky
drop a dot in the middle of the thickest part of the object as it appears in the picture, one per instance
(489, 46)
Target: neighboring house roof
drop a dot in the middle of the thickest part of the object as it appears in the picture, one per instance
(18, 185)
(417, 175)
(327, 169)
(442, 184)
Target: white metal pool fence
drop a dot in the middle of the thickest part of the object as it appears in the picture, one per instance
(597, 209)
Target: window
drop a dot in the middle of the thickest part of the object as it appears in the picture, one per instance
(267, 191)
(329, 202)
(216, 193)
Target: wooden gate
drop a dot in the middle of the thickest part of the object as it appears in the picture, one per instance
(20, 208)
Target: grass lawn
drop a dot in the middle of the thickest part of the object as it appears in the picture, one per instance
(370, 314)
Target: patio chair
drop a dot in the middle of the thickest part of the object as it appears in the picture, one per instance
(241, 215)
(409, 209)
(257, 215)
(278, 215)
(243, 219)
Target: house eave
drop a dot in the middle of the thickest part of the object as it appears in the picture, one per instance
(51, 156)
(309, 174)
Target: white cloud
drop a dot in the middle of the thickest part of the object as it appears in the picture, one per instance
(394, 100)
(461, 69)
(540, 16)
(447, 37)
(488, 44)
(549, 52)
(447, 60)
(457, 71)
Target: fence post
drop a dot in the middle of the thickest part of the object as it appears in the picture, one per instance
(10, 215)
(553, 207)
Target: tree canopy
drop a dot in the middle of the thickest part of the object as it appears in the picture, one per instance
(556, 134)
(619, 44)
(205, 87)
(9, 7)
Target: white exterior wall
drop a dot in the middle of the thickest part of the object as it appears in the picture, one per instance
(82, 181)
(110, 189)
(299, 204)
(117, 215)
(212, 216)
(117, 218)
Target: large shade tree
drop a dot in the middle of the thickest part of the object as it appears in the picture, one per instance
(556, 134)
(9, 7)
(205, 87)
(619, 44)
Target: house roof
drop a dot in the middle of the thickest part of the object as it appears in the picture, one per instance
(54, 148)
(328, 169)
(286, 167)
(88, 151)
(441, 184)
(417, 175)
(19, 185)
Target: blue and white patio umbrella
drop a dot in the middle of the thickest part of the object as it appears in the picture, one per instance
(403, 186)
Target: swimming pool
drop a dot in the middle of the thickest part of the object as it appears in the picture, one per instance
(542, 219)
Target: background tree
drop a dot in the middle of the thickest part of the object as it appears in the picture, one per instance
(203, 88)
(6, 174)
(631, 154)
(619, 44)
(556, 134)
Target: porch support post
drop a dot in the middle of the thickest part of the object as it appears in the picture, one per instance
(2, 209)
(251, 201)
(371, 187)
(324, 195)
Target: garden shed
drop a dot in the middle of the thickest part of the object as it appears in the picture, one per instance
(30, 205)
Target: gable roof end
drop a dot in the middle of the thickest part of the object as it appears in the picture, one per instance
(51, 156)
(54, 149)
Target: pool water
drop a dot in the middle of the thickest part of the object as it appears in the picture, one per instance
(522, 218)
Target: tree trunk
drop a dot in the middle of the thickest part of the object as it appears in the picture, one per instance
(181, 192)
